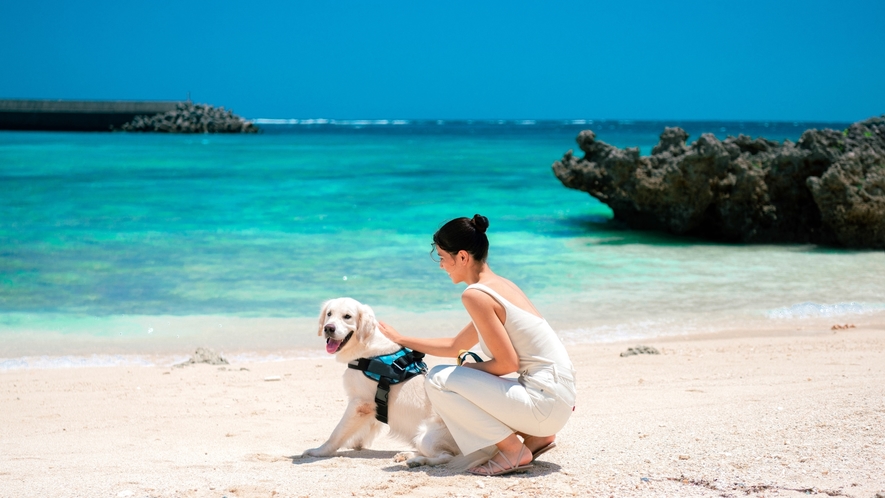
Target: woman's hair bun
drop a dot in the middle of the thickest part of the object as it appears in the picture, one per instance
(464, 234)
(480, 222)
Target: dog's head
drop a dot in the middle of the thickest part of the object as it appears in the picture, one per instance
(344, 319)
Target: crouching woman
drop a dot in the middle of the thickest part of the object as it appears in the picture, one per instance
(482, 409)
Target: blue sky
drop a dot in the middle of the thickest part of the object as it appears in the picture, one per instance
(774, 60)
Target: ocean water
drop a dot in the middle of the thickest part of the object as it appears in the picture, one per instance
(136, 248)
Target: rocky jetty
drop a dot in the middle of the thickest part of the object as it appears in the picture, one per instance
(827, 188)
(192, 118)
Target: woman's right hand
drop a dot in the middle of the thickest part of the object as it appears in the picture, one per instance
(445, 347)
(389, 332)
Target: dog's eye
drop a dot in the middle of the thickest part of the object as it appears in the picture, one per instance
(347, 317)
(329, 314)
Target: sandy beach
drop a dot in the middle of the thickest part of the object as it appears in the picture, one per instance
(784, 414)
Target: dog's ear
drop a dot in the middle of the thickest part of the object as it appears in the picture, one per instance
(366, 322)
(323, 317)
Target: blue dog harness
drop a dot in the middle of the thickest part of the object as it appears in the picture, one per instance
(389, 369)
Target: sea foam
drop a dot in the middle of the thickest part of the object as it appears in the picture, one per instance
(96, 360)
(815, 310)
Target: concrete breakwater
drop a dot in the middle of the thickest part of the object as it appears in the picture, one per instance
(74, 115)
(84, 115)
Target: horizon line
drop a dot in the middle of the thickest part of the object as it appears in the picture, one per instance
(526, 122)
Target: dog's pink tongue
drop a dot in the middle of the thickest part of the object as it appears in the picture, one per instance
(332, 346)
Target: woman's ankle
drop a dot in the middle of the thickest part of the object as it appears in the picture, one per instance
(534, 443)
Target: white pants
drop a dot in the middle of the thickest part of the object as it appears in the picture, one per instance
(481, 409)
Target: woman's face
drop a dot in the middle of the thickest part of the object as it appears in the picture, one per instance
(449, 263)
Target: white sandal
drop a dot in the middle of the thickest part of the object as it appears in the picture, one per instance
(487, 470)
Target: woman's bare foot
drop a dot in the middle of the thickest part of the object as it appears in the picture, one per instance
(511, 454)
(535, 443)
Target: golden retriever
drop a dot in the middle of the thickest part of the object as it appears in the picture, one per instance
(351, 332)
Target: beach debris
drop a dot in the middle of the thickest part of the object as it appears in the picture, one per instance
(827, 188)
(842, 327)
(640, 350)
(715, 485)
(684, 457)
(191, 118)
(204, 355)
(273, 378)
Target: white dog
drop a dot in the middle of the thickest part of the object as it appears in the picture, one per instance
(351, 332)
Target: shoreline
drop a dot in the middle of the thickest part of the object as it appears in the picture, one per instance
(284, 339)
(742, 415)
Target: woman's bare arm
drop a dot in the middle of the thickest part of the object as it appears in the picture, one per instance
(480, 306)
(446, 347)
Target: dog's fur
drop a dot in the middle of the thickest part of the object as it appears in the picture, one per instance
(351, 332)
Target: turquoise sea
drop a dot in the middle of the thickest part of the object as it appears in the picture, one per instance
(136, 248)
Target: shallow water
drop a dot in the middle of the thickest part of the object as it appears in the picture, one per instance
(120, 244)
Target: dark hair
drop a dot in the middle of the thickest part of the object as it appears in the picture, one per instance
(464, 234)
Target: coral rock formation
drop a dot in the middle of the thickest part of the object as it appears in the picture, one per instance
(827, 188)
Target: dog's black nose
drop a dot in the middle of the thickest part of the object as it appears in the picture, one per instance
(329, 329)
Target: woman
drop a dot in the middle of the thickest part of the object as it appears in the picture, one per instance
(481, 409)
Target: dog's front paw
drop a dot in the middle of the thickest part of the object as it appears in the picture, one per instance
(317, 452)
(403, 456)
(417, 461)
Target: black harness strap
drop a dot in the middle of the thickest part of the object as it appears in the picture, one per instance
(381, 396)
(401, 369)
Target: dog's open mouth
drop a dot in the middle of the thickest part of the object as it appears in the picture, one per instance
(332, 346)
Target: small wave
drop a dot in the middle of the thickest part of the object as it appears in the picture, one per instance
(815, 310)
(526, 122)
(310, 354)
(269, 121)
(643, 329)
(334, 122)
(361, 122)
(274, 121)
(53, 362)
(99, 360)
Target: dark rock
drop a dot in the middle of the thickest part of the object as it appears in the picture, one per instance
(204, 355)
(192, 118)
(640, 350)
(851, 197)
(827, 188)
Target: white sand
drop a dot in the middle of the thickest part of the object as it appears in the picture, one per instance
(743, 415)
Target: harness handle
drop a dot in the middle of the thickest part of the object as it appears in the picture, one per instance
(463, 354)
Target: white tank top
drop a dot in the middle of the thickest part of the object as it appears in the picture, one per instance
(543, 359)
